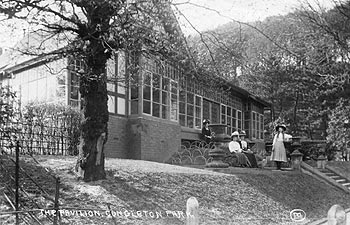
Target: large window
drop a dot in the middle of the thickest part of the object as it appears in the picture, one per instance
(116, 88)
(159, 91)
(77, 66)
(257, 125)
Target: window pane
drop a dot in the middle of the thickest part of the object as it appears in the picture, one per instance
(165, 84)
(121, 106)
(156, 110)
(164, 98)
(74, 93)
(174, 97)
(229, 111)
(182, 96)
(74, 79)
(190, 110)
(156, 95)
(182, 119)
(147, 92)
(121, 88)
(156, 81)
(206, 108)
(173, 87)
(182, 107)
(190, 121)
(173, 113)
(147, 107)
(147, 78)
(229, 121)
(111, 104)
(164, 111)
(198, 112)
(198, 123)
(134, 92)
(223, 109)
(234, 113)
(198, 101)
(239, 115)
(190, 98)
(110, 87)
(223, 119)
(215, 113)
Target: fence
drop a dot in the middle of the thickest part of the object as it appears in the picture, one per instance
(23, 192)
(39, 137)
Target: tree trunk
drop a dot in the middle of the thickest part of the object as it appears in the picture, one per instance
(94, 95)
(93, 90)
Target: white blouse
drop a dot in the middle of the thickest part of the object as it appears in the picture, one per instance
(287, 137)
(234, 146)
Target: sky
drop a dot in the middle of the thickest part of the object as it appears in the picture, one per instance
(241, 10)
(202, 19)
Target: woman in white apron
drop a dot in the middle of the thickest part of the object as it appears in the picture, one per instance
(279, 154)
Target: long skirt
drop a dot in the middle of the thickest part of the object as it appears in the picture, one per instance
(279, 153)
(252, 159)
(237, 159)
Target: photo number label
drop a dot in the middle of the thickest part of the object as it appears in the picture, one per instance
(297, 215)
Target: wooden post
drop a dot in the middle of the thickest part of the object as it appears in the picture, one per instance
(336, 215)
(57, 195)
(17, 183)
(192, 211)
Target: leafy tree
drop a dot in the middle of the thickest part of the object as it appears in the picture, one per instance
(339, 125)
(93, 30)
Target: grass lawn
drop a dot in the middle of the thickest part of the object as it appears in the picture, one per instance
(248, 196)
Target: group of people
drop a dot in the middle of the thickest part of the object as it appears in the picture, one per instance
(238, 147)
(240, 151)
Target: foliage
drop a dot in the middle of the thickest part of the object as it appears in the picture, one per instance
(41, 128)
(339, 125)
(298, 62)
(93, 31)
(54, 122)
(7, 110)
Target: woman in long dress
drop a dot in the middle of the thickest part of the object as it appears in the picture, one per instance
(250, 155)
(236, 151)
(279, 154)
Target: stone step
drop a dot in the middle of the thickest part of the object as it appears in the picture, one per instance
(346, 184)
(334, 177)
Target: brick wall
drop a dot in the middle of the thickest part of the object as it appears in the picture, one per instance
(116, 146)
(153, 139)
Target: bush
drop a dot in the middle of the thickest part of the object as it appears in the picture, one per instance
(56, 126)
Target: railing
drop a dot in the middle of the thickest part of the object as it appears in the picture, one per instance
(37, 139)
(24, 192)
(192, 153)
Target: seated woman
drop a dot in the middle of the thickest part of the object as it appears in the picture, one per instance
(250, 155)
(206, 132)
(235, 148)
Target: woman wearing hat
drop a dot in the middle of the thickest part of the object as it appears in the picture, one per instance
(250, 155)
(278, 149)
(236, 149)
(206, 132)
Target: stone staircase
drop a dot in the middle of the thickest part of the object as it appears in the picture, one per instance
(336, 177)
(328, 175)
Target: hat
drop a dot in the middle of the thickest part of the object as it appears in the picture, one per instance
(235, 134)
(206, 121)
(242, 133)
(281, 125)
